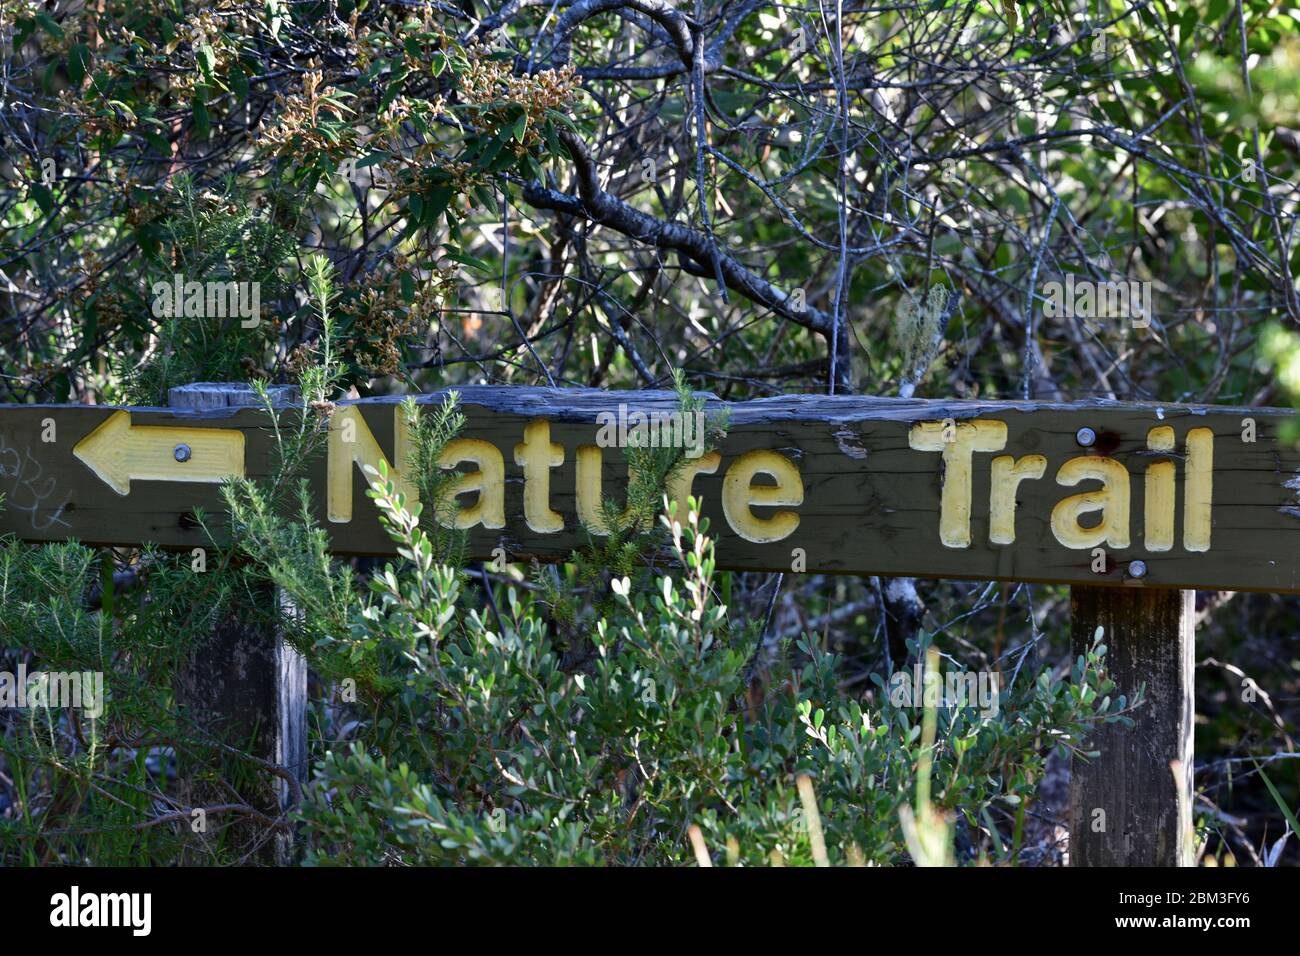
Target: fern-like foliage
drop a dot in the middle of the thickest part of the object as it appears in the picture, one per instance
(213, 237)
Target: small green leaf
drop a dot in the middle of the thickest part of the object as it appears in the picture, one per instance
(487, 197)
(1277, 798)
(202, 119)
(48, 25)
(239, 82)
(567, 121)
(44, 198)
(437, 200)
(78, 63)
(390, 94)
(207, 59)
(478, 265)
(552, 140)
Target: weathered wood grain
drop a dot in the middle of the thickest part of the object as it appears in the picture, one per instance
(870, 505)
(1132, 804)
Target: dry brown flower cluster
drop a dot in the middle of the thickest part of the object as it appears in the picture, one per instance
(298, 121)
(493, 85)
(383, 319)
(112, 306)
(110, 124)
(205, 28)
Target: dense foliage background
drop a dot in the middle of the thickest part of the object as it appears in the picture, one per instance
(763, 198)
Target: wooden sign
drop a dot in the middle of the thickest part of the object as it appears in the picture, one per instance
(1087, 493)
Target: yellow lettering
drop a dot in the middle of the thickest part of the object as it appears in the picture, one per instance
(1007, 474)
(537, 456)
(590, 464)
(1160, 493)
(680, 481)
(1112, 501)
(489, 481)
(958, 449)
(1198, 489)
(739, 493)
(362, 451)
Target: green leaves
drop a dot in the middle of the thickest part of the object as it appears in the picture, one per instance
(206, 59)
(78, 63)
(427, 206)
(437, 200)
(44, 198)
(48, 24)
(202, 119)
(1281, 804)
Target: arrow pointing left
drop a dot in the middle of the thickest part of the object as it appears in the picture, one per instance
(118, 451)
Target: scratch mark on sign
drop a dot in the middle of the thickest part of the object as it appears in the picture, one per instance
(25, 494)
(850, 442)
(1292, 485)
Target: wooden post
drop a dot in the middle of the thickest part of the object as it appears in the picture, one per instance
(244, 683)
(1132, 805)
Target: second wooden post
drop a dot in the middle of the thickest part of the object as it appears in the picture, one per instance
(246, 685)
(1132, 804)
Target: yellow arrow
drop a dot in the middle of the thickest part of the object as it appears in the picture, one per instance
(118, 451)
